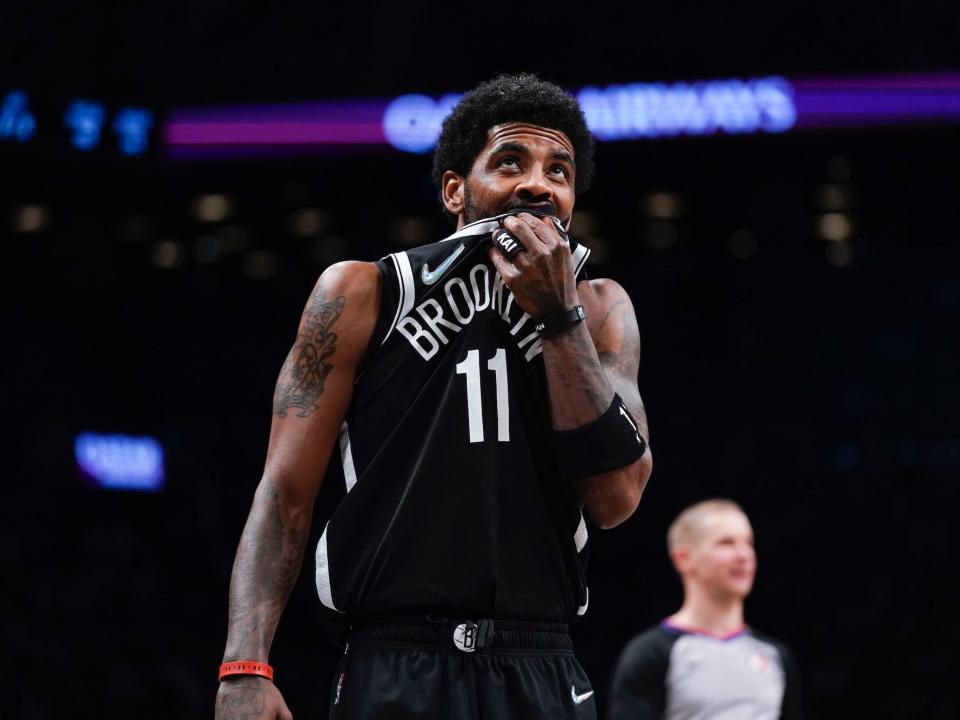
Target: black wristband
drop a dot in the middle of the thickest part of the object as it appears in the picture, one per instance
(557, 321)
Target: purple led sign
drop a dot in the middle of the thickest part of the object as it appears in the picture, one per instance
(868, 101)
(411, 123)
(287, 128)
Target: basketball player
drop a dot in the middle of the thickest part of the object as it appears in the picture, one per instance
(703, 661)
(478, 393)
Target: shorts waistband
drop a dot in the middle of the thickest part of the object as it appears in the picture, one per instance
(465, 635)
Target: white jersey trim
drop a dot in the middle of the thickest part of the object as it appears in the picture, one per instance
(580, 537)
(582, 610)
(323, 572)
(488, 225)
(346, 454)
(479, 227)
(580, 256)
(406, 289)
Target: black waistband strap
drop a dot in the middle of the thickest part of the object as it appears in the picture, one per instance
(465, 635)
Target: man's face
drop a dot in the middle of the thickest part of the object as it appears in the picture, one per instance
(521, 165)
(722, 559)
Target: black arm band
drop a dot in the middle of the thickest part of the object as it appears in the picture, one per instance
(610, 442)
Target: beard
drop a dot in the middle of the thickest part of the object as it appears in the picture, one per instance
(473, 212)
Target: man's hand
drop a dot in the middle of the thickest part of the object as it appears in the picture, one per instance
(541, 277)
(250, 698)
(586, 364)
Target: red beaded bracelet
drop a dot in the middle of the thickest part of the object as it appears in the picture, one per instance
(246, 667)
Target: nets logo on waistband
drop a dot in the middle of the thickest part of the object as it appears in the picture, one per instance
(465, 637)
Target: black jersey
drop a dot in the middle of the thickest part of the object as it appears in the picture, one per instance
(454, 501)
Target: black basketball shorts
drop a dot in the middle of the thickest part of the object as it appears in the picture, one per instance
(460, 670)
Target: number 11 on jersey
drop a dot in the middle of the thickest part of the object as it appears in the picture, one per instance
(471, 368)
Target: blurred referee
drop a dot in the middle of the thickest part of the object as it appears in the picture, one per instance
(703, 661)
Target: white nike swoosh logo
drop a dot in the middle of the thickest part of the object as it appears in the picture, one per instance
(577, 699)
(429, 277)
(627, 418)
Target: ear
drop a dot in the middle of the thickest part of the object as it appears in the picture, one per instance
(680, 555)
(451, 192)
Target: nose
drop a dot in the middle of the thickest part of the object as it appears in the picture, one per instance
(534, 187)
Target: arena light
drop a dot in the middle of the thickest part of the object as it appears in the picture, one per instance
(633, 111)
(260, 264)
(85, 119)
(307, 222)
(167, 254)
(661, 205)
(212, 207)
(412, 122)
(835, 226)
(16, 121)
(121, 462)
(31, 218)
(132, 126)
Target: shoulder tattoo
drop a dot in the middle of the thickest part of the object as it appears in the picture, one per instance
(306, 368)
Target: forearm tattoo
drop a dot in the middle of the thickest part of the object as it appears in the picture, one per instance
(623, 363)
(579, 372)
(265, 570)
(305, 370)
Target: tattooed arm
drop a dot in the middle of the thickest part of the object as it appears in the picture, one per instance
(311, 398)
(587, 364)
(614, 339)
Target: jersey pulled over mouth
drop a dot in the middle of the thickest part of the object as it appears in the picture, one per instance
(545, 210)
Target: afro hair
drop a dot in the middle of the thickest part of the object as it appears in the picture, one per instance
(511, 98)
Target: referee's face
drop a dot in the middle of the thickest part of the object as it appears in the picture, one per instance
(522, 165)
(723, 560)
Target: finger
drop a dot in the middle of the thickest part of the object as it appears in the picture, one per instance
(504, 241)
(506, 269)
(520, 226)
(284, 713)
(542, 229)
(522, 262)
(547, 232)
(556, 229)
(555, 240)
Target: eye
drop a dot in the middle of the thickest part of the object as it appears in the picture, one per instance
(508, 161)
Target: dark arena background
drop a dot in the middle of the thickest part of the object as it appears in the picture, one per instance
(777, 189)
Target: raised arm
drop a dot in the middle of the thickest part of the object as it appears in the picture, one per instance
(311, 398)
(612, 325)
(587, 364)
